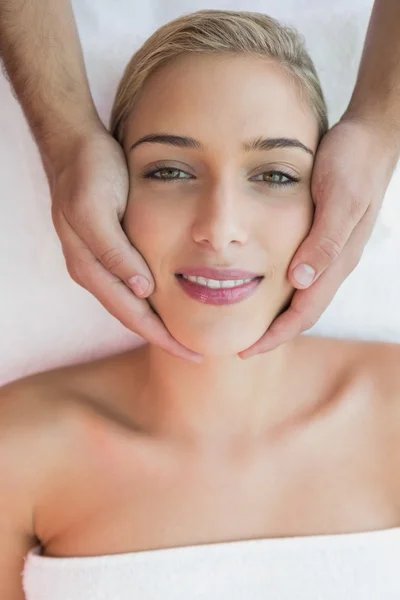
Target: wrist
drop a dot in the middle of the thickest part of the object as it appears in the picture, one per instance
(383, 123)
(58, 143)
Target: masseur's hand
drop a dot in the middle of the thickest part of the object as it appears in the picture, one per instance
(89, 190)
(352, 169)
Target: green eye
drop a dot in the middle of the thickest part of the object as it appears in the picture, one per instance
(167, 174)
(272, 178)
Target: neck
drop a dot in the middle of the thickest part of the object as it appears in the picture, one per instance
(222, 397)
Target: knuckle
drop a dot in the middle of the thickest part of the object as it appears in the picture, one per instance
(354, 260)
(304, 321)
(78, 266)
(309, 321)
(73, 272)
(356, 208)
(111, 259)
(329, 247)
(134, 322)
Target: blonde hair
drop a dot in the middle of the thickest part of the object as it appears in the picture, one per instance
(222, 32)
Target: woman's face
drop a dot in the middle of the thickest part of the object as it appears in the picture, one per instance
(227, 198)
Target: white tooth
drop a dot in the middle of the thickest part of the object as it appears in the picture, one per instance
(216, 283)
(202, 281)
(228, 284)
(213, 284)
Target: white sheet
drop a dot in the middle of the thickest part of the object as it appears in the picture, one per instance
(46, 319)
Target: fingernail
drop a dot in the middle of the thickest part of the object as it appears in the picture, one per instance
(139, 284)
(304, 274)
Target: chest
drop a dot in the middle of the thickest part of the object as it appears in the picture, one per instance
(118, 495)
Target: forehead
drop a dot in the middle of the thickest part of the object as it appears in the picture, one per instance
(224, 98)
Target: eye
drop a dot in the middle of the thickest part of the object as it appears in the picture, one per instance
(166, 174)
(272, 178)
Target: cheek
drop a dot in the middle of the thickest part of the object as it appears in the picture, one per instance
(285, 228)
(297, 223)
(151, 228)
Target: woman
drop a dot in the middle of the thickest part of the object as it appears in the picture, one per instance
(228, 478)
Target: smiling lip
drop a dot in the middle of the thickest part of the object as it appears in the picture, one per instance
(221, 274)
(220, 296)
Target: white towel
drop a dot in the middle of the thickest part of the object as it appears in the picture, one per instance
(357, 566)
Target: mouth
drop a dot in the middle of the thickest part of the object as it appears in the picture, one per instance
(216, 284)
(219, 290)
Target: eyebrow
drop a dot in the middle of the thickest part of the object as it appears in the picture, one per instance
(188, 142)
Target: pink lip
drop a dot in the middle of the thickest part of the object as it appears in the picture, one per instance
(222, 274)
(220, 296)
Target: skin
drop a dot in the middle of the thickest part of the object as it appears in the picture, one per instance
(145, 450)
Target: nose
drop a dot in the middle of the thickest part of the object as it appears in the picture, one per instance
(220, 218)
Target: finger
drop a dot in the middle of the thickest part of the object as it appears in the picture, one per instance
(106, 240)
(112, 293)
(135, 314)
(304, 311)
(331, 229)
(308, 305)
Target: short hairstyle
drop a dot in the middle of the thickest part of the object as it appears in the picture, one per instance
(219, 32)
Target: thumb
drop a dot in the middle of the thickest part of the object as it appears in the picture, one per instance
(330, 231)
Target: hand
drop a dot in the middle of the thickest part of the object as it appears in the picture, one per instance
(89, 190)
(352, 170)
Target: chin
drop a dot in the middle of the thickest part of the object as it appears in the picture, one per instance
(222, 339)
(222, 333)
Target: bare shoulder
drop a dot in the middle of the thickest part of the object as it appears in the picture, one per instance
(41, 418)
(38, 407)
(54, 395)
(381, 360)
(378, 362)
(379, 366)
(33, 425)
(46, 417)
(33, 429)
(370, 370)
